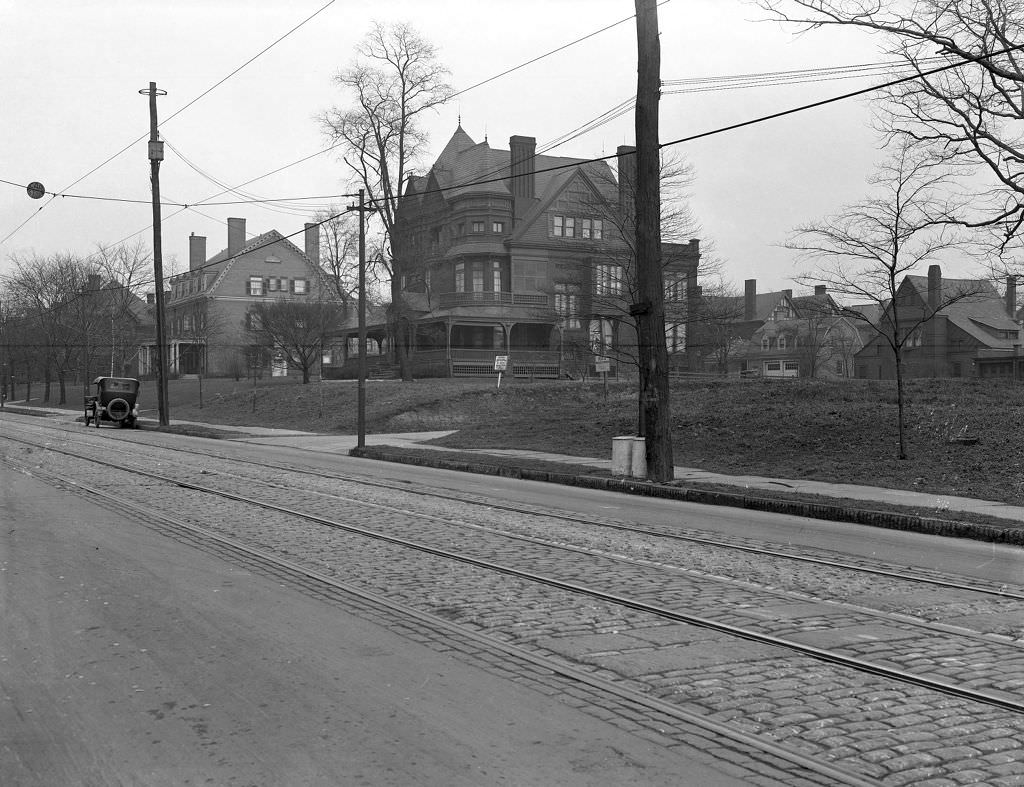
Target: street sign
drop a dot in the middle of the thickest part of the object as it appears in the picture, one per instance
(500, 363)
(602, 365)
(35, 190)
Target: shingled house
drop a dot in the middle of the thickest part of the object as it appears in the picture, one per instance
(507, 252)
(973, 330)
(209, 308)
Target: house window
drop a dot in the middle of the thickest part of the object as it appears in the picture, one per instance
(675, 287)
(496, 275)
(255, 286)
(498, 227)
(300, 286)
(567, 304)
(608, 280)
(782, 342)
(598, 229)
(478, 278)
(460, 277)
(586, 228)
(675, 337)
(478, 226)
(601, 340)
(272, 259)
(563, 227)
(766, 343)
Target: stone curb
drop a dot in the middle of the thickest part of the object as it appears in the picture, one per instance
(835, 513)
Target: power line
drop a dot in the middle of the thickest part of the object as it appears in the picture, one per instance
(173, 115)
(582, 162)
(547, 54)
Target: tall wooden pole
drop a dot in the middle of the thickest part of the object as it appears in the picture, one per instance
(361, 404)
(650, 310)
(156, 155)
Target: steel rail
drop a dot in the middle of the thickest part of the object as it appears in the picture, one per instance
(831, 563)
(644, 701)
(820, 654)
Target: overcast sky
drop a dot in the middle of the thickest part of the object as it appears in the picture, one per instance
(72, 70)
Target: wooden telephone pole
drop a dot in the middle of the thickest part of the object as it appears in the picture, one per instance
(156, 155)
(655, 411)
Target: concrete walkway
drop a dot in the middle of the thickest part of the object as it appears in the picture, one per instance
(341, 444)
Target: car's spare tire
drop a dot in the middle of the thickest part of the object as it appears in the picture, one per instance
(118, 409)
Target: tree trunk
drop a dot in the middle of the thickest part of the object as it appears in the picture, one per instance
(899, 405)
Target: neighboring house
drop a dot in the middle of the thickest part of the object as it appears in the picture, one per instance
(120, 347)
(975, 335)
(775, 334)
(506, 252)
(209, 309)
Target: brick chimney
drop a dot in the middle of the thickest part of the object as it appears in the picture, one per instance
(934, 287)
(313, 242)
(626, 163)
(236, 235)
(820, 289)
(196, 251)
(749, 299)
(1011, 297)
(522, 164)
(788, 294)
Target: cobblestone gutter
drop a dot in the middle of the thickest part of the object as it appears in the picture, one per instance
(893, 520)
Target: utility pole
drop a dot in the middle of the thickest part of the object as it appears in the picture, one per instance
(156, 155)
(361, 390)
(655, 410)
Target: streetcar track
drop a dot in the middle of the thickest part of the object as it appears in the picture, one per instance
(303, 576)
(691, 684)
(1001, 591)
(821, 654)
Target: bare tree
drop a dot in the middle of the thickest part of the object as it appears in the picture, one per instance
(395, 79)
(298, 329)
(966, 117)
(60, 295)
(612, 272)
(866, 249)
(716, 325)
(339, 250)
(127, 273)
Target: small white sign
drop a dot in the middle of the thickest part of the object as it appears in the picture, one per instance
(500, 363)
(602, 365)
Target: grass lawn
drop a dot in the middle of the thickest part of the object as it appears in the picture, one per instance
(833, 431)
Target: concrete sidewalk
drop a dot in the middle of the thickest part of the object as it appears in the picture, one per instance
(936, 504)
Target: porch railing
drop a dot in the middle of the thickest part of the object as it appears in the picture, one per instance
(447, 300)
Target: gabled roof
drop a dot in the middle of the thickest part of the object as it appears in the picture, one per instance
(468, 167)
(216, 263)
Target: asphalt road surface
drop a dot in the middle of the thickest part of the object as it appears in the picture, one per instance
(127, 658)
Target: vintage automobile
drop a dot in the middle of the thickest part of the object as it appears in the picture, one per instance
(115, 401)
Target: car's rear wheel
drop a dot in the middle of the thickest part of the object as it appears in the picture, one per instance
(118, 409)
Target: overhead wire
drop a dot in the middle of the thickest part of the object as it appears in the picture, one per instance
(764, 118)
(170, 117)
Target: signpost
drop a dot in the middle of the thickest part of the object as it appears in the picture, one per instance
(500, 365)
(603, 365)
